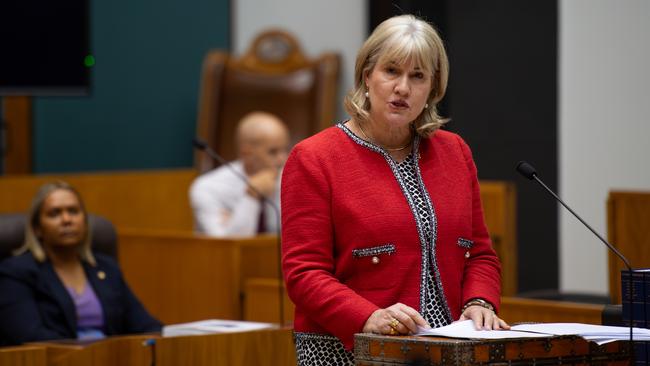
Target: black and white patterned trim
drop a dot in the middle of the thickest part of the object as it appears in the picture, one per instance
(428, 249)
(315, 337)
(372, 251)
(434, 238)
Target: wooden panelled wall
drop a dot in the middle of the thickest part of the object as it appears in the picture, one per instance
(17, 116)
(628, 230)
(158, 200)
(500, 210)
(180, 276)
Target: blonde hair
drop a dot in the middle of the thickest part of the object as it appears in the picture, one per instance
(402, 37)
(33, 244)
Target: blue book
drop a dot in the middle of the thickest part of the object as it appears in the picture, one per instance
(640, 308)
(646, 280)
(641, 353)
(639, 296)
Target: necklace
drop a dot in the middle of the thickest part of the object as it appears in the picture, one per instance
(384, 147)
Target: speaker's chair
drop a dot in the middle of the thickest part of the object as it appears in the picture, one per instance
(273, 76)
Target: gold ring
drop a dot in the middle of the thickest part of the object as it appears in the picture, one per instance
(393, 332)
(394, 323)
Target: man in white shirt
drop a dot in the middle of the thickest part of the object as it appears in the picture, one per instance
(223, 204)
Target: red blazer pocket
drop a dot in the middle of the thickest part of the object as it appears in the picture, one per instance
(373, 267)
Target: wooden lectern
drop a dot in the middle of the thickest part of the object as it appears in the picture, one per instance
(372, 349)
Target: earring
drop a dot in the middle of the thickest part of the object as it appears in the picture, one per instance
(367, 95)
(426, 106)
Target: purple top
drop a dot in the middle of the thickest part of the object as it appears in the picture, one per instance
(90, 315)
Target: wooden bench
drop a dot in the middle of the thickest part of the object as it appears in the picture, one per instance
(156, 199)
(182, 277)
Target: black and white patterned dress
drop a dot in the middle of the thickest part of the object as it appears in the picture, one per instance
(318, 349)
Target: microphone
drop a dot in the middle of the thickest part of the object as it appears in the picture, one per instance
(203, 146)
(529, 172)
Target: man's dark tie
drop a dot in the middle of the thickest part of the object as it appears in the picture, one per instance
(261, 223)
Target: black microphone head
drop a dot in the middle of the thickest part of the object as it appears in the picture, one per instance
(526, 170)
(199, 143)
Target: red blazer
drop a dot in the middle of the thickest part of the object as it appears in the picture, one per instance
(339, 196)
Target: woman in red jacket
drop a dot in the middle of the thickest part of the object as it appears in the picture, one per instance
(382, 224)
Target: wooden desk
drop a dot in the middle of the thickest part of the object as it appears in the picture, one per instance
(264, 347)
(23, 356)
(370, 349)
(628, 215)
(122, 350)
(182, 277)
(266, 291)
(517, 310)
(258, 348)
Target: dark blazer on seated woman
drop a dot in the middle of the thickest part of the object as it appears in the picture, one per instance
(35, 305)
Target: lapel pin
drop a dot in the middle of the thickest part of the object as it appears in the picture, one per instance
(101, 275)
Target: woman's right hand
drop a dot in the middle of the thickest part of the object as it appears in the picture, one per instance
(395, 319)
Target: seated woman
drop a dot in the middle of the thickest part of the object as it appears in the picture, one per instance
(56, 287)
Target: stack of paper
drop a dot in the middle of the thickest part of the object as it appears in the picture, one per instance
(598, 333)
(213, 326)
(466, 329)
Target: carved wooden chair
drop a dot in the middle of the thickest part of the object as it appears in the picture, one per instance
(273, 76)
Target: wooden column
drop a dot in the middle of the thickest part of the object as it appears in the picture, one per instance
(17, 116)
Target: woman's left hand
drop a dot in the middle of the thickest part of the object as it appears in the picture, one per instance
(484, 318)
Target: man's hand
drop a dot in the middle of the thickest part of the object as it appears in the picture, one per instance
(264, 181)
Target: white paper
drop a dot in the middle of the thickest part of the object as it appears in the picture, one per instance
(600, 334)
(213, 326)
(466, 329)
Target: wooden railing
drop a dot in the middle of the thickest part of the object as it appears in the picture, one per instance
(156, 199)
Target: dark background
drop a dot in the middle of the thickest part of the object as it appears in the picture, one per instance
(140, 111)
(44, 44)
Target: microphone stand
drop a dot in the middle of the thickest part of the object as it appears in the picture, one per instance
(202, 145)
(529, 172)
